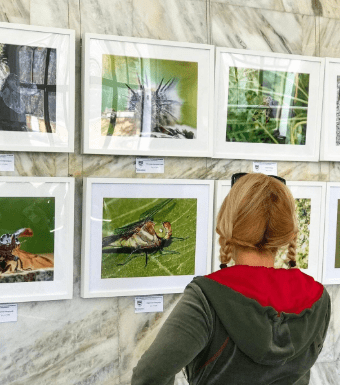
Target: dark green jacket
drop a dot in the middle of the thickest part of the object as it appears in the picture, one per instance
(241, 325)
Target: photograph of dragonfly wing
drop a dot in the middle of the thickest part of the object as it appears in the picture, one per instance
(148, 237)
(26, 253)
(27, 88)
(149, 97)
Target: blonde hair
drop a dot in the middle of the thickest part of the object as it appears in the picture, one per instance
(259, 214)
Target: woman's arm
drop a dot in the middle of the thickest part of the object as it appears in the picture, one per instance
(184, 334)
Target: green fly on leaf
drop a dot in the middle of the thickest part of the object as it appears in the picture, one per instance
(143, 236)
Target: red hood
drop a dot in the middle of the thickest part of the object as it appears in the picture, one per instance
(289, 291)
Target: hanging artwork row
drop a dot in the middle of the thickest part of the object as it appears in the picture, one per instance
(37, 67)
(162, 98)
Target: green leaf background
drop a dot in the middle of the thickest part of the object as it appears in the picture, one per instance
(181, 213)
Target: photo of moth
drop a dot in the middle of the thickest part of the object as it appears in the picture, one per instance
(27, 88)
(148, 246)
(27, 253)
(152, 98)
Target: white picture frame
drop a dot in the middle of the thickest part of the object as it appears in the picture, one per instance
(44, 208)
(162, 76)
(329, 150)
(262, 111)
(129, 279)
(316, 191)
(331, 273)
(37, 106)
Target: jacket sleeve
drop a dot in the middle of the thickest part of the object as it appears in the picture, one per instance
(184, 334)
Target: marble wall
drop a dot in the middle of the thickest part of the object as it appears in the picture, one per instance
(98, 341)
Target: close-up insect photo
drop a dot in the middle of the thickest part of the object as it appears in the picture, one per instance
(144, 237)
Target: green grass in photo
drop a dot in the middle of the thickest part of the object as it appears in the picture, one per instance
(36, 213)
(182, 215)
(267, 106)
(303, 211)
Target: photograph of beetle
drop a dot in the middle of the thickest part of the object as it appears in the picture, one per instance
(144, 237)
(26, 239)
(148, 97)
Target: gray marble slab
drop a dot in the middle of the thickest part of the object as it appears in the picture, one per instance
(176, 20)
(125, 167)
(49, 13)
(137, 332)
(112, 17)
(329, 37)
(38, 164)
(15, 11)
(262, 30)
(65, 342)
(303, 7)
(325, 373)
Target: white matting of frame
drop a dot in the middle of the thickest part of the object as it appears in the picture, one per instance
(62, 190)
(331, 273)
(41, 132)
(96, 189)
(292, 64)
(316, 191)
(136, 143)
(330, 133)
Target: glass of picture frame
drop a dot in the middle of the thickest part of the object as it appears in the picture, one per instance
(36, 238)
(144, 237)
(267, 105)
(37, 67)
(147, 97)
(310, 203)
(330, 133)
(331, 261)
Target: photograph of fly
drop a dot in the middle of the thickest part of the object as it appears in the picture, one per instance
(149, 97)
(27, 88)
(146, 237)
(27, 239)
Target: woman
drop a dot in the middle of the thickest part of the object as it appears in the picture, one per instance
(249, 323)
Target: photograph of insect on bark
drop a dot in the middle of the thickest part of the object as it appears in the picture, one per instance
(144, 237)
(26, 239)
(337, 246)
(303, 211)
(27, 88)
(338, 112)
(151, 98)
(267, 106)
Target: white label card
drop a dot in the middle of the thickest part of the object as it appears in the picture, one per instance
(268, 168)
(9, 313)
(150, 165)
(149, 304)
(6, 162)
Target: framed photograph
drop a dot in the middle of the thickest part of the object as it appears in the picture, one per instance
(147, 97)
(310, 204)
(267, 106)
(330, 134)
(36, 88)
(145, 236)
(36, 238)
(331, 263)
